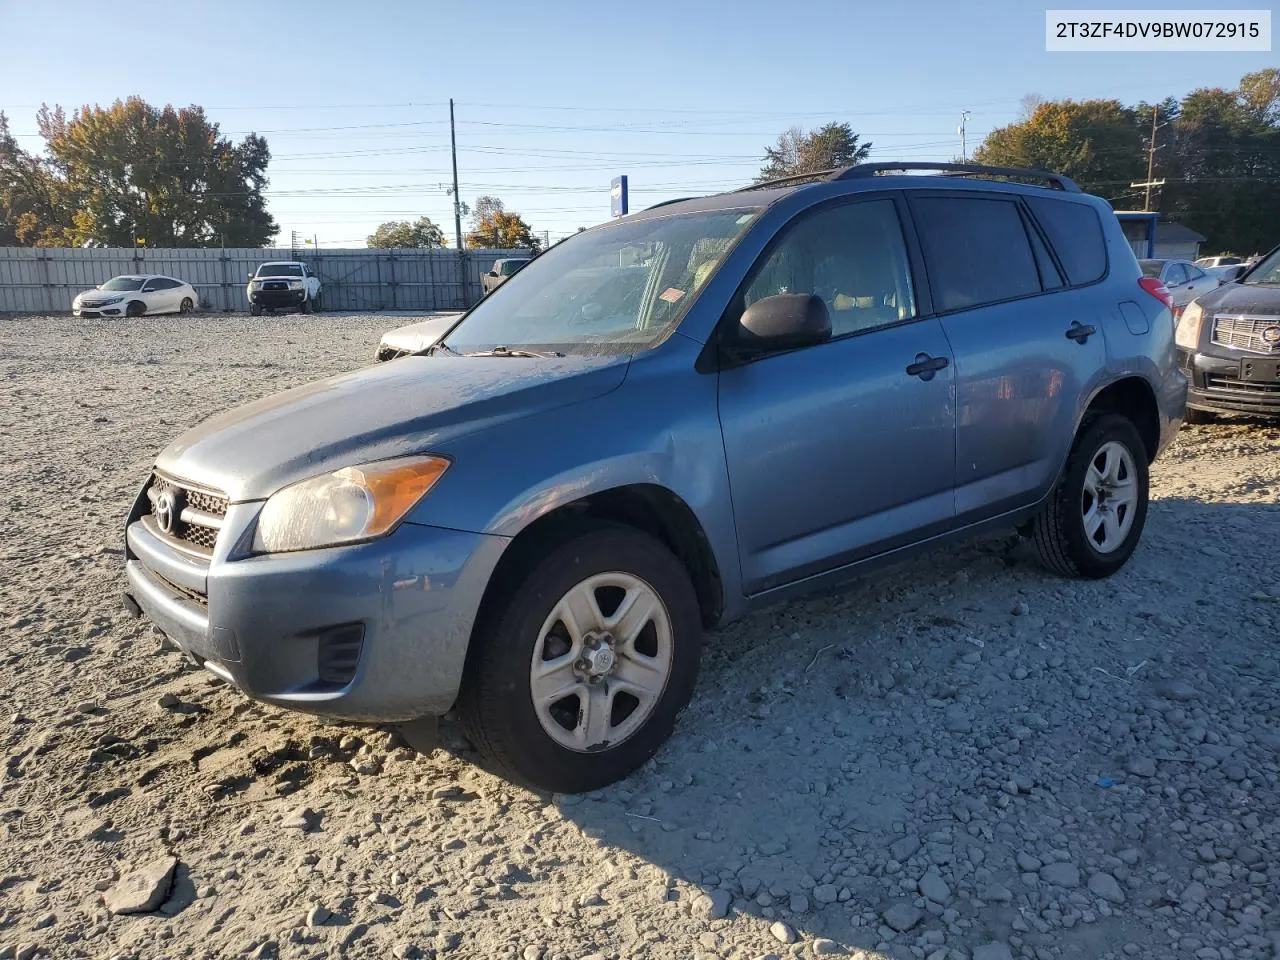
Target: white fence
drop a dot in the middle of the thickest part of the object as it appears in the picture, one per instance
(44, 280)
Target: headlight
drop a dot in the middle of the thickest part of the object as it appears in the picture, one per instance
(111, 300)
(1187, 333)
(295, 284)
(255, 284)
(346, 506)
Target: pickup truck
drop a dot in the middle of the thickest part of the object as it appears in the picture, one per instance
(289, 284)
(502, 269)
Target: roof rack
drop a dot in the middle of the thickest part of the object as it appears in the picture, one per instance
(664, 203)
(1057, 180)
(794, 178)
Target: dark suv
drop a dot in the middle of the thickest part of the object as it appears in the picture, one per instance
(657, 425)
(1229, 345)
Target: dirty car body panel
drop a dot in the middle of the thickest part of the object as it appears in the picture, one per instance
(798, 468)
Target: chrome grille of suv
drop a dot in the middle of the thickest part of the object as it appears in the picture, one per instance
(1245, 333)
(199, 512)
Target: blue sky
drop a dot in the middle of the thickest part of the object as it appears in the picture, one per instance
(555, 98)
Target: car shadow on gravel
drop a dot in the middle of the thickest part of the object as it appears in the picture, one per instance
(918, 731)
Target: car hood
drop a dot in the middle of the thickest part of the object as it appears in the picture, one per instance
(94, 292)
(419, 336)
(1245, 298)
(414, 405)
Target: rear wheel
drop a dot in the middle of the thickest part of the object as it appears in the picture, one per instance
(136, 308)
(186, 306)
(576, 679)
(1094, 517)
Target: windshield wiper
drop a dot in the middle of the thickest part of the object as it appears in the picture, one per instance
(428, 351)
(508, 352)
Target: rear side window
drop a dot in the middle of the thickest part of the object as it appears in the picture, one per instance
(1076, 234)
(977, 250)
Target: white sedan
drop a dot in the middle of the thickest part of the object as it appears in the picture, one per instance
(133, 296)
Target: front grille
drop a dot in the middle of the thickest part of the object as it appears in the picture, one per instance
(275, 285)
(1256, 388)
(196, 516)
(1246, 333)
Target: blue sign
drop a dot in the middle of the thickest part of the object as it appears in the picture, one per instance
(618, 197)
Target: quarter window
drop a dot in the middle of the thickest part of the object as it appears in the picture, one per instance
(977, 250)
(1076, 234)
(852, 256)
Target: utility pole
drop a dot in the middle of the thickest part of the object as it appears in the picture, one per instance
(964, 152)
(1151, 163)
(457, 209)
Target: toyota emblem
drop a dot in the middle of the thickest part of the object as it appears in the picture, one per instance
(166, 509)
(1271, 335)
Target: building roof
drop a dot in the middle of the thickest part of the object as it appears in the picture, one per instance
(1177, 233)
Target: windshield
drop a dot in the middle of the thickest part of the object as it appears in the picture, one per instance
(280, 270)
(1267, 272)
(123, 283)
(614, 289)
(1151, 268)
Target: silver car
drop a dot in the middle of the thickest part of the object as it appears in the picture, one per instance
(660, 424)
(501, 272)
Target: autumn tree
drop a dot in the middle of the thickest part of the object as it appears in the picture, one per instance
(162, 174)
(1098, 143)
(402, 233)
(484, 209)
(798, 152)
(34, 209)
(501, 230)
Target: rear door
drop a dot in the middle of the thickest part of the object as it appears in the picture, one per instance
(1025, 348)
(837, 452)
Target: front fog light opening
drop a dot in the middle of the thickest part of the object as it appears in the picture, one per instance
(338, 654)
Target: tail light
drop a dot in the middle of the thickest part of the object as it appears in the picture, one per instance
(1155, 286)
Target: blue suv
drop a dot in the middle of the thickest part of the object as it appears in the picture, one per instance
(654, 427)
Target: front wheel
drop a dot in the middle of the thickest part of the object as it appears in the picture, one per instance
(136, 308)
(255, 310)
(1095, 515)
(1198, 417)
(576, 679)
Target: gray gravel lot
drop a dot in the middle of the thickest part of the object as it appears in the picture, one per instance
(965, 758)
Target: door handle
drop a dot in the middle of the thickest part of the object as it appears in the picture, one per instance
(926, 366)
(1080, 332)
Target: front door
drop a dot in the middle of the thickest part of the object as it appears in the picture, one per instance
(836, 452)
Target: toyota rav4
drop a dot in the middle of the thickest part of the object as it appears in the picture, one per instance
(658, 425)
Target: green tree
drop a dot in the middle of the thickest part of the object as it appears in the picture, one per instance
(798, 152)
(402, 233)
(1223, 172)
(501, 230)
(159, 173)
(1098, 143)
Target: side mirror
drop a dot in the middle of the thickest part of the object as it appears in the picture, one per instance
(251, 276)
(493, 273)
(787, 321)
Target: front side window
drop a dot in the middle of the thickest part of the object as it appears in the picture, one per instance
(852, 256)
(1267, 272)
(976, 249)
(1176, 274)
(615, 289)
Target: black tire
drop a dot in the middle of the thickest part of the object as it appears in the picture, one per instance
(317, 305)
(1198, 417)
(135, 308)
(496, 703)
(1059, 529)
(186, 306)
(306, 305)
(255, 310)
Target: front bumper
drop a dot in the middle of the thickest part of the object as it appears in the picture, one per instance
(1215, 385)
(277, 298)
(374, 632)
(115, 310)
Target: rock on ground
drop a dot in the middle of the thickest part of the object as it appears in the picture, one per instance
(142, 889)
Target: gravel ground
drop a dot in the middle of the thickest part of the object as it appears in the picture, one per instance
(966, 758)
